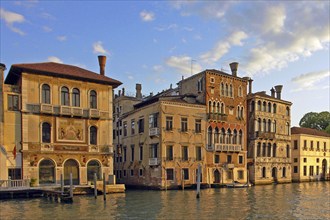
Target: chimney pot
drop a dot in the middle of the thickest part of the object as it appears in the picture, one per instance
(102, 61)
(123, 91)
(278, 90)
(234, 67)
(138, 89)
(272, 91)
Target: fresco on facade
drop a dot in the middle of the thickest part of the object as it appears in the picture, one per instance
(70, 130)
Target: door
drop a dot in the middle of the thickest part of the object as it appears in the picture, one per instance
(71, 166)
(216, 176)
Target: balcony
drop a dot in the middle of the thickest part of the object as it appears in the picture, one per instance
(65, 110)
(228, 147)
(273, 159)
(77, 111)
(217, 117)
(153, 131)
(153, 161)
(94, 113)
(46, 108)
(265, 135)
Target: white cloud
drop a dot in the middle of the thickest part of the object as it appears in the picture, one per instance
(158, 68)
(168, 27)
(147, 16)
(61, 38)
(26, 3)
(47, 29)
(10, 18)
(183, 64)
(312, 80)
(54, 59)
(98, 48)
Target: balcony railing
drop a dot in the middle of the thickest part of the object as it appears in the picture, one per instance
(153, 161)
(265, 135)
(65, 110)
(77, 111)
(228, 147)
(217, 116)
(46, 108)
(153, 131)
(273, 159)
(14, 183)
(94, 113)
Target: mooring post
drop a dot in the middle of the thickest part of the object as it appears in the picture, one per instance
(104, 192)
(95, 187)
(62, 184)
(198, 181)
(71, 186)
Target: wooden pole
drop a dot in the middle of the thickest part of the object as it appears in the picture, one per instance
(95, 187)
(198, 181)
(71, 186)
(104, 192)
(62, 184)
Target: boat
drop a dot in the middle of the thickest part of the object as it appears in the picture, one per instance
(236, 184)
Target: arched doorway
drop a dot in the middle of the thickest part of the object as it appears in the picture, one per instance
(274, 174)
(324, 169)
(71, 166)
(46, 172)
(216, 176)
(93, 166)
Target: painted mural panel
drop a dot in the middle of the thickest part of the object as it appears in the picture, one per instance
(70, 130)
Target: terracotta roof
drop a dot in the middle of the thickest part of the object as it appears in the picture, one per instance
(58, 70)
(310, 131)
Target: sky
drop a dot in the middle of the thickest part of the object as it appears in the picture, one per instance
(156, 43)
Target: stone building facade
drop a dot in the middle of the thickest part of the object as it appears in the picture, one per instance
(269, 119)
(162, 142)
(57, 120)
(224, 96)
(310, 154)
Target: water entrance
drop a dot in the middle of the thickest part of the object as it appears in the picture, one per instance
(71, 166)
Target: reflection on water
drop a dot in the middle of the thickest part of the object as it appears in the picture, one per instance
(287, 201)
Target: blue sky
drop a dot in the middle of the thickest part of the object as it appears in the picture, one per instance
(156, 43)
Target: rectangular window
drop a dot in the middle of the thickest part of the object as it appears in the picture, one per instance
(229, 158)
(317, 160)
(198, 126)
(312, 145)
(295, 160)
(169, 174)
(13, 103)
(198, 153)
(240, 174)
(311, 170)
(216, 158)
(132, 126)
(125, 173)
(295, 169)
(141, 152)
(15, 174)
(132, 172)
(153, 151)
(305, 170)
(140, 172)
(184, 153)
(169, 123)
(305, 160)
(240, 159)
(124, 153)
(184, 124)
(132, 152)
(185, 173)
(305, 144)
(295, 144)
(317, 170)
(141, 125)
(125, 128)
(169, 152)
(324, 146)
(318, 146)
(153, 120)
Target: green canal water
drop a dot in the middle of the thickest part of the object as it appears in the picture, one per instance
(285, 201)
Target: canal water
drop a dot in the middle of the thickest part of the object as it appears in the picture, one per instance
(285, 201)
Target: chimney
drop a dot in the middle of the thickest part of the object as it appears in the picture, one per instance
(138, 88)
(233, 67)
(123, 91)
(278, 90)
(102, 61)
(272, 91)
(119, 93)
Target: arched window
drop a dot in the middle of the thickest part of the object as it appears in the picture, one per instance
(274, 108)
(264, 125)
(210, 107)
(283, 172)
(76, 97)
(209, 136)
(222, 88)
(218, 107)
(274, 150)
(240, 137)
(252, 106)
(45, 94)
(287, 111)
(227, 90)
(235, 137)
(65, 96)
(274, 126)
(93, 166)
(216, 135)
(230, 90)
(92, 99)
(259, 124)
(214, 107)
(269, 125)
(264, 107)
(259, 105)
(222, 136)
(229, 136)
(46, 172)
(287, 151)
(264, 149)
(269, 150)
(222, 110)
(46, 132)
(269, 107)
(242, 112)
(259, 149)
(287, 126)
(263, 174)
(238, 112)
(93, 135)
